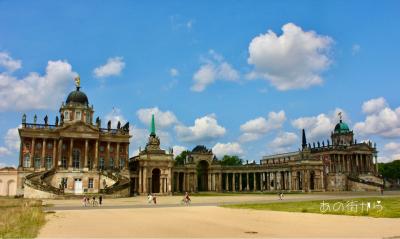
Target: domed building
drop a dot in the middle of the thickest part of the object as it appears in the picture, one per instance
(74, 155)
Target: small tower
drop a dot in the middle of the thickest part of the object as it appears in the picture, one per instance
(153, 126)
(342, 135)
(303, 140)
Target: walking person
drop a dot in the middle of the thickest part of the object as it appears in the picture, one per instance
(154, 199)
(100, 200)
(149, 198)
(84, 201)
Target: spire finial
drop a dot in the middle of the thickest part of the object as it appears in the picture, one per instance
(303, 140)
(153, 126)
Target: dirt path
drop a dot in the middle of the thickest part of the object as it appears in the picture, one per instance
(211, 221)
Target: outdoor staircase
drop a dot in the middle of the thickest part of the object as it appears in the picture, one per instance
(37, 181)
(121, 183)
(358, 179)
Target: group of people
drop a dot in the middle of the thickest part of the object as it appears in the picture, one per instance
(151, 198)
(87, 202)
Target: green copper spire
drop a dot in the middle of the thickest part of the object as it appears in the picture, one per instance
(153, 126)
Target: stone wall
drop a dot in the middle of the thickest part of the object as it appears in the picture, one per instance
(356, 186)
(33, 193)
(8, 182)
(336, 182)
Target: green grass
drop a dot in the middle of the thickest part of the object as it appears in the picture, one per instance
(20, 218)
(214, 194)
(391, 207)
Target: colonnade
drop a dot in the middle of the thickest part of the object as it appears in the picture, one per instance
(353, 163)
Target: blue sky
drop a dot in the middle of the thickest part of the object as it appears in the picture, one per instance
(241, 77)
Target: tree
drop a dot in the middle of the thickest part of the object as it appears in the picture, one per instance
(390, 170)
(231, 160)
(180, 159)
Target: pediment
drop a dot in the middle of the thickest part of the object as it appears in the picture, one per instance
(78, 129)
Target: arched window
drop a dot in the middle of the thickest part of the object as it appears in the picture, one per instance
(27, 161)
(37, 162)
(111, 163)
(64, 162)
(76, 158)
(49, 161)
(121, 163)
(101, 163)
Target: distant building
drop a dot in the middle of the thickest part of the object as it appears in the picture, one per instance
(76, 155)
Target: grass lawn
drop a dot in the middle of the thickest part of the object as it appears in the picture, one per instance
(211, 194)
(20, 218)
(390, 207)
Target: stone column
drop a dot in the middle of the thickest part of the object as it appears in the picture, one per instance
(214, 183)
(233, 182)
(262, 179)
(43, 161)
(254, 182)
(144, 181)
(86, 166)
(220, 181)
(290, 180)
(240, 182)
(20, 153)
(117, 157)
(275, 181)
(322, 180)
(209, 182)
(71, 145)
(247, 182)
(226, 181)
(96, 154)
(107, 163)
(60, 147)
(32, 153)
(54, 163)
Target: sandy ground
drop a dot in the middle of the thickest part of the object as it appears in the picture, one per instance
(211, 221)
(169, 219)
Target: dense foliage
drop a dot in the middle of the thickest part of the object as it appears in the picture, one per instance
(229, 160)
(390, 170)
(180, 159)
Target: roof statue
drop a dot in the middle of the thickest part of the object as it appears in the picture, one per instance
(78, 81)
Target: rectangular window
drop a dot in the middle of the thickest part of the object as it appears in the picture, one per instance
(66, 115)
(64, 182)
(78, 115)
(90, 184)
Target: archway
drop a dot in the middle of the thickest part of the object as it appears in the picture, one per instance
(202, 176)
(1, 188)
(12, 189)
(312, 179)
(155, 180)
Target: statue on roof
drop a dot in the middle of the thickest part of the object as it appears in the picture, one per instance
(78, 81)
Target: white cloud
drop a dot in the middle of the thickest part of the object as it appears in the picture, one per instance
(355, 49)
(290, 61)
(113, 67)
(374, 105)
(162, 119)
(35, 91)
(256, 128)
(319, 127)
(221, 149)
(3, 152)
(173, 72)
(140, 138)
(8, 63)
(115, 115)
(178, 149)
(391, 151)
(380, 120)
(12, 140)
(392, 146)
(284, 142)
(214, 68)
(204, 129)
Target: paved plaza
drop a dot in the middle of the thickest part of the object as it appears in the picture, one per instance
(133, 217)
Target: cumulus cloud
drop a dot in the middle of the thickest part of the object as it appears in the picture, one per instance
(231, 148)
(3, 152)
(178, 149)
(214, 68)
(380, 120)
(113, 67)
(173, 72)
(283, 142)
(35, 91)
(391, 151)
(12, 140)
(374, 105)
(204, 129)
(163, 119)
(115, 115)
(319, 127)
(8, 63)
(292, 60)
(256, 128)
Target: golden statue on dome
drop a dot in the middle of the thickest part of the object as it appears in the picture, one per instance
(77, 81)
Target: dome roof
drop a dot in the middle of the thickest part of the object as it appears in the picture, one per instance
(200, 149)
(77, 96)
(341, 127)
